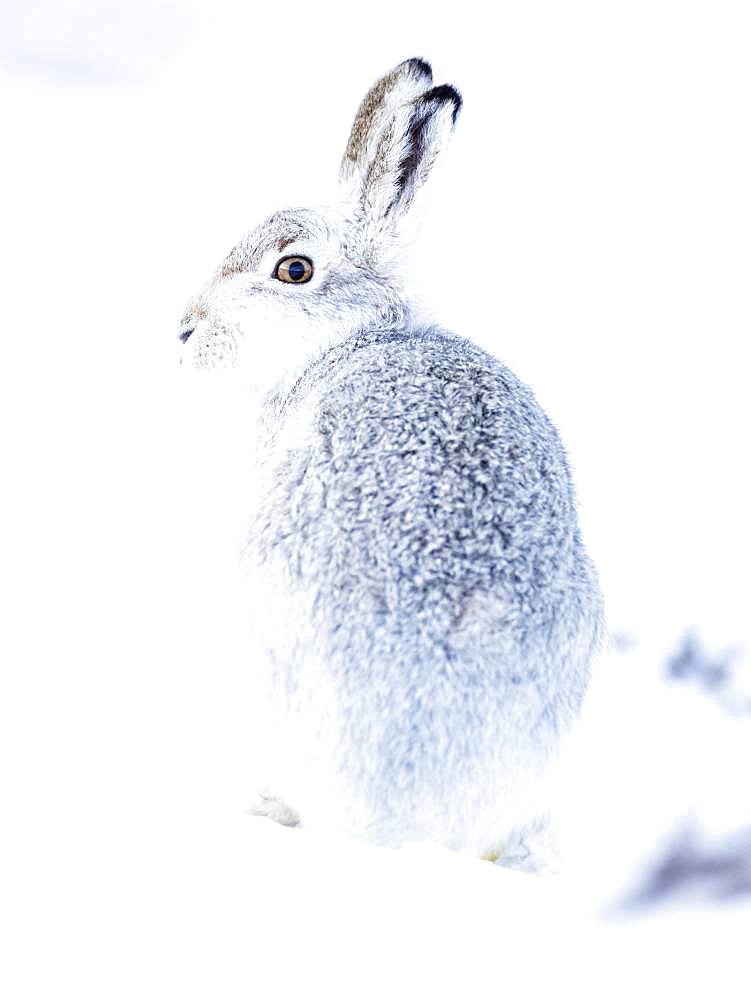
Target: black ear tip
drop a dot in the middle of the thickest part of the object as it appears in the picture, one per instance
(445, 93)
(420, 69)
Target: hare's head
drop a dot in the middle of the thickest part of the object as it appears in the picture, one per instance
(306, 278)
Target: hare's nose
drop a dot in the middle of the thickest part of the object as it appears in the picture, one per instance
(185, 332)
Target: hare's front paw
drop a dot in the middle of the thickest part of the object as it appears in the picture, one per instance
(269, 805)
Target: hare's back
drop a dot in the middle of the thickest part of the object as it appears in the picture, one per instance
(430, 477)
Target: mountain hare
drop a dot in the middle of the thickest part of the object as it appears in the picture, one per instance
(424, 610)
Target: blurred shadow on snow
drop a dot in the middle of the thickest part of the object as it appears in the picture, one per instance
(697, 868)
(623, 641)
(718, 674)
(91, 42)
(697, 863)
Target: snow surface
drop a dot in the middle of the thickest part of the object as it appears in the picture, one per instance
(600, 171)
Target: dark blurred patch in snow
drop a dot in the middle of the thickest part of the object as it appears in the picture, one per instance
(704, 858)
(623, 642)
(722, 674)
(695, 867)
(91, 42)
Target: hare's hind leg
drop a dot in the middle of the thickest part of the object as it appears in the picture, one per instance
(269, 805)
(529, 848)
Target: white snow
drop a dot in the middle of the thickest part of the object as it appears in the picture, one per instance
(601, 166)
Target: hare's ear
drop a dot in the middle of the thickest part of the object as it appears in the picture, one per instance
(404, 153)
(405, 82)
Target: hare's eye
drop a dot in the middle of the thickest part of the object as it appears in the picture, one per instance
(294, 270)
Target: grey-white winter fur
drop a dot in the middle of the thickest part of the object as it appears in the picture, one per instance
(424, 611)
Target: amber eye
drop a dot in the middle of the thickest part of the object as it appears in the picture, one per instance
(294, 270)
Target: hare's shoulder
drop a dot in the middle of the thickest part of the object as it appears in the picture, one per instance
(429, 391)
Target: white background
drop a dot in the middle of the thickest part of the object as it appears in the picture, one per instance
(590, 226)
